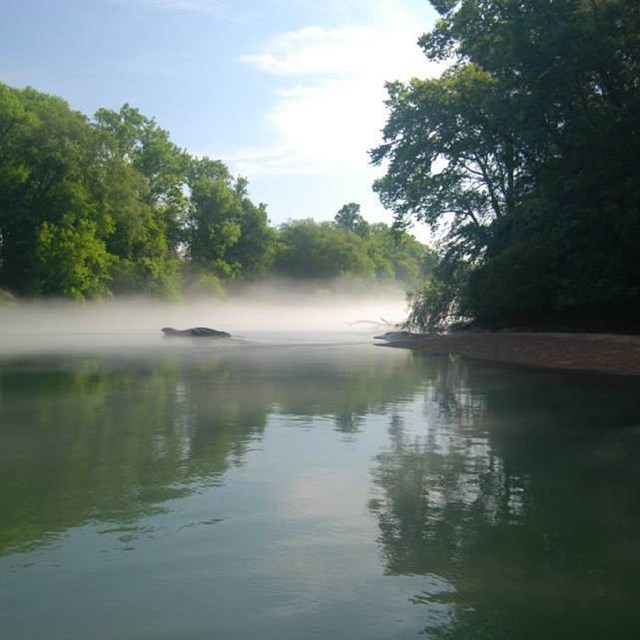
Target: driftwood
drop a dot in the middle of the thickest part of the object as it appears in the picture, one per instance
(377, 324)
(195, 332)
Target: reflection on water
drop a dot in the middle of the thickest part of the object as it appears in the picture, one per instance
(327, 491)
(522, 490)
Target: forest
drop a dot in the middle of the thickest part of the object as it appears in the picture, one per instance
(524, 155)
(108, 205)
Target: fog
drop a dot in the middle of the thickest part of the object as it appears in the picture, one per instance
(260, 316)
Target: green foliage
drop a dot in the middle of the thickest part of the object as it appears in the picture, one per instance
(142, 174)
(397, 255)
(256, 247)
(349, 218)
(44, 167)
(325, 251)
(225, 231)
(451, 155)
(311, 250)
(525, 153)
(207, 285)
(71, 260)
(437, 302)
(213, 219)
(89, 208)
(112, 205)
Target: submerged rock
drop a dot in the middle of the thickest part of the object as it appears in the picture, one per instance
(195, 332)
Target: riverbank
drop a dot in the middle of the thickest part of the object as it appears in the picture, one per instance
(603, 353)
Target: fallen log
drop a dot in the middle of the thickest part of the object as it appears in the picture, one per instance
(195, 332)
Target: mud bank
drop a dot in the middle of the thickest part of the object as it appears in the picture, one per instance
(604, 353)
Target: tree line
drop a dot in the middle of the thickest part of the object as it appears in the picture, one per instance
(107, 205)
(525, 154)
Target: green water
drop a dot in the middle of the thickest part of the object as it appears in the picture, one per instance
(290, 491)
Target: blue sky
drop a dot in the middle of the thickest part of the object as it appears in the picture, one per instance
(288, 93)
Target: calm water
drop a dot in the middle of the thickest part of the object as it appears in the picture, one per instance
(282, 490)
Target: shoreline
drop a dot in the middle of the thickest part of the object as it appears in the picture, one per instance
(591, 352)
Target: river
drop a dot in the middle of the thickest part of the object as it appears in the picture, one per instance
(313, 488)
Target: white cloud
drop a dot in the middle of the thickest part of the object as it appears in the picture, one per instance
(329, 109)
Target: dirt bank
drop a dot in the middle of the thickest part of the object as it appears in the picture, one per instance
(616, 354)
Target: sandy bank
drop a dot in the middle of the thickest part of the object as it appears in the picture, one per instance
(605, 353)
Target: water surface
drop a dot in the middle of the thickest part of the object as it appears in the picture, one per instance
(313, 488)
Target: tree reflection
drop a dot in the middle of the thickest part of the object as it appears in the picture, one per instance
(521, 489)
(113, 439)
(94, 441)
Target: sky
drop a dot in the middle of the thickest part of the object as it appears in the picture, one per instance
(288, 93)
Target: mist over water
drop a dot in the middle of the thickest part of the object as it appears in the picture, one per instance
(260, 315)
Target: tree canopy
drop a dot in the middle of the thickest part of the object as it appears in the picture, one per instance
(525, 152)
(105, 205)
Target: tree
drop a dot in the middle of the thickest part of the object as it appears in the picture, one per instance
(451, 154)
(530, 138)
(395, 254)
(91, 207)
(46, 162)
(349, 218)
(71, 260)
(311, 250)
(254, 251)
(213, 223)
(398, 255)
(13, 121)
(141, 181)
